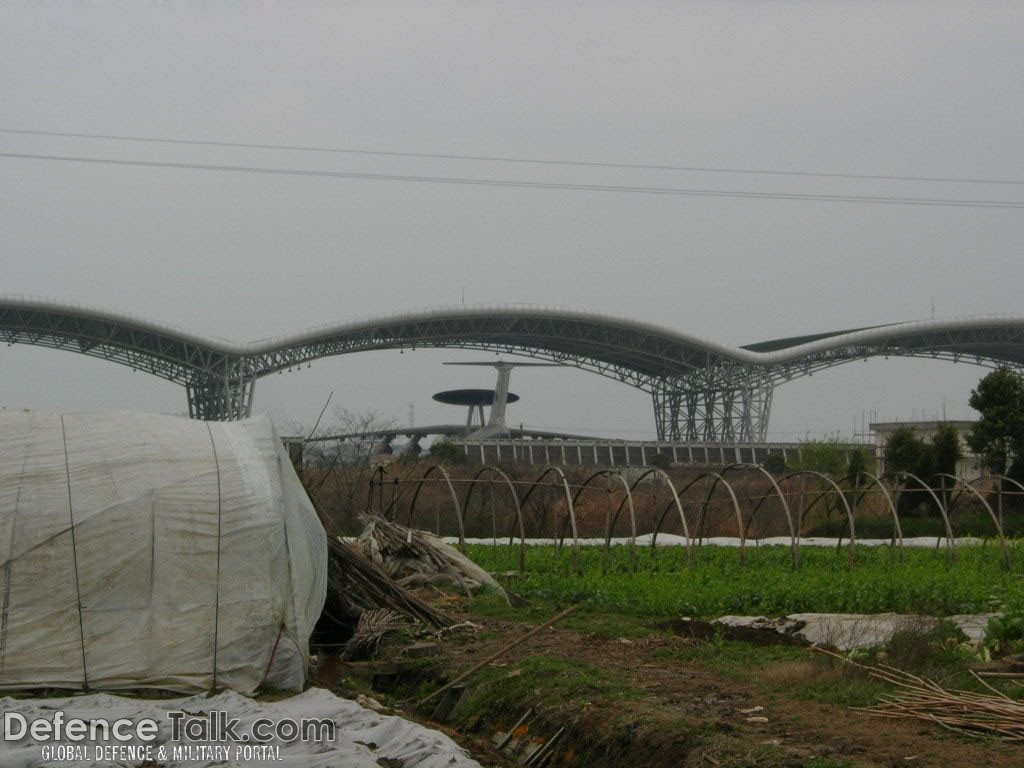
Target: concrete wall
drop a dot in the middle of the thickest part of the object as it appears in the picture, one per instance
(620, 453)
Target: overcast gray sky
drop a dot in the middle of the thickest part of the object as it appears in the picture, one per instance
(902, 89)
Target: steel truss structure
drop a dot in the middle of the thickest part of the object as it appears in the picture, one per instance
(702, 391)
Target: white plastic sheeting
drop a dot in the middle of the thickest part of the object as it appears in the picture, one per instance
(364, 738)
(675, 540)
(147, 551)
(848, 631)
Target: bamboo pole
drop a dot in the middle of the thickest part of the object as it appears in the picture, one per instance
(498, 654)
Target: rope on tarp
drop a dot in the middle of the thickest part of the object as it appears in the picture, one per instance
(74, 553)
(216, 600)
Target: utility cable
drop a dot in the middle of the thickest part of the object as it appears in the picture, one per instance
(526, 160)
(512, 183)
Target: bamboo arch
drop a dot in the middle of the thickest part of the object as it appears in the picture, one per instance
(679, 507)
(1002, 479)
(381, 470)
(942, 510)
(569, 504)
(999, 527)
(515, 501)
(707, 498)
(794, 535)
(897, 528)
(842, 497)
(455, 501)
(609, 522)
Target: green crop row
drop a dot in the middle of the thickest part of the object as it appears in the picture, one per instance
(717, 583)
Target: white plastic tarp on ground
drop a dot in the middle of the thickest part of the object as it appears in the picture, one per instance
(849, 631)
(139, 550)
(675, 540)
(363, 738)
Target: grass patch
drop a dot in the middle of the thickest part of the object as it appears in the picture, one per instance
(734, 657)
(789, 670)
(588, 620)
(500, 692)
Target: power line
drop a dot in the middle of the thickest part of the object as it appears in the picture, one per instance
(834, 198)
(500, 159)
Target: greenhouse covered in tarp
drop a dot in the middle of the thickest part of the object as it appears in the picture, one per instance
(147, 551)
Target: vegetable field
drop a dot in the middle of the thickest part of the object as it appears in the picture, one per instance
(926, 582)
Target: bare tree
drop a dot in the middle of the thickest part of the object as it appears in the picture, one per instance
(339, 458)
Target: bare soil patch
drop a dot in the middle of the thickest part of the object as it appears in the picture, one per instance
(680, 711)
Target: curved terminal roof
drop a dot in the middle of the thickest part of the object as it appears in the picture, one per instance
(636, 352)
(775, 345)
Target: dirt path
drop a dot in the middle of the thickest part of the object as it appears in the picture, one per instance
(796, 732)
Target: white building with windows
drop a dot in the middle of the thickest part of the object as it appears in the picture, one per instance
(969, 467)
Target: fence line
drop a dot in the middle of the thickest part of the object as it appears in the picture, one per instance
(565, 514)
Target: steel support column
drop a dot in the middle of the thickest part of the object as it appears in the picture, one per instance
(225, 397)
(714, 406)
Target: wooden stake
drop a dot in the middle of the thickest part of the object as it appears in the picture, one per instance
(498, 654)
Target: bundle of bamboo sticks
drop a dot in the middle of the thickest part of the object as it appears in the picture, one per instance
(373, 626)
(962, 711)
(396, 543)
(358, 585)
(968, 712)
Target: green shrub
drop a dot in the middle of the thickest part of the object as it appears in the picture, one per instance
(775, 463)
(446, 452)
(1005, 634)
(925, 646)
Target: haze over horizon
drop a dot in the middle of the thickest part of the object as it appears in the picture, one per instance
(920, 90)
